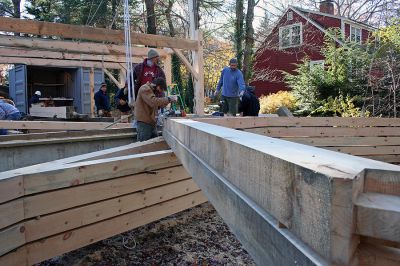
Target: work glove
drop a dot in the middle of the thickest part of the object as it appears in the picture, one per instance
(173, 98)
(241, 93)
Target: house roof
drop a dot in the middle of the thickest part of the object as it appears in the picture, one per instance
(313, 22)
(352, 21)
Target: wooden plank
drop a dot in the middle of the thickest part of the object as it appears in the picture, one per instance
(11, 238)
(186, 62)
(374, 255)
(73, 218)
(40, 204)
(90, 33)
(379, 181)
(63, 112)
(11, 188)
(385, 158)
(198, 65)
(73, 46)
(113, 79)
(29, 53)
(57, 63)
(91, 171)
(62, 243)
(15, 258)
(325, 131)
(11, 212)
(91, 87)
(256, 122)
(378, 216)
(346, 141)
(58, 175)
(168, 69)
(274, 169)
(58, 125)
(361, 151)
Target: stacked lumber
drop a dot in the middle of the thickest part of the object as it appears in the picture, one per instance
(293, 204)
(16, 150)
(55, 207)
(374, 138)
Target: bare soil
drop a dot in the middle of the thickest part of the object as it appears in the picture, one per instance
(193, 237)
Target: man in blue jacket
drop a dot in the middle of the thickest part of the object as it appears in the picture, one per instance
(8, 112)
(233, 87)
(102, 101)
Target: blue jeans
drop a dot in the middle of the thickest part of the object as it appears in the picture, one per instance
(146, 131)
(14, 116)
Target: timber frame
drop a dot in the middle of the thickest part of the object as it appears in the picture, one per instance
(288, 203)
(95, 48)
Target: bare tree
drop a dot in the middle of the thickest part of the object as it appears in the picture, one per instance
(249, 39)
(239, 25)
(150, 17)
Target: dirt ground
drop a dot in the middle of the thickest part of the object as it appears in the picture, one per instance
(194, 237)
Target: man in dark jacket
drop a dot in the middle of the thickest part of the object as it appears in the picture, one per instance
(147, 71)
(102, 101)
(249, 103)
(122, 101)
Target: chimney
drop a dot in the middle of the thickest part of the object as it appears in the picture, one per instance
(326, 6)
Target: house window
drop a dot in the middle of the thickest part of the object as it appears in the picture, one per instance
(355, 34)
(290, 36)
(290, 15)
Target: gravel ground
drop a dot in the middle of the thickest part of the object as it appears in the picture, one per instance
(193, 237)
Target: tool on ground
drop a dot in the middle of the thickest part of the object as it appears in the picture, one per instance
(119, 120)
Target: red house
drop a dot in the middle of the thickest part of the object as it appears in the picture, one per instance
(299, 33)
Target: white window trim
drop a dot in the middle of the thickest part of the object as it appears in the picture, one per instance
(355, 27)
(290, 26)
(289, 16)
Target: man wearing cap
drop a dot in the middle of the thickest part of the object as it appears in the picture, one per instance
(147, 105)
(147, 71)
(102, 101)
(233, 87)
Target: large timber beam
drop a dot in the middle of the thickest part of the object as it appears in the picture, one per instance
(58, 125)
(90, 33)
(288, 203)
(74, 47)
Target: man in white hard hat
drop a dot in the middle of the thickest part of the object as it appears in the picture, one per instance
(35, 98)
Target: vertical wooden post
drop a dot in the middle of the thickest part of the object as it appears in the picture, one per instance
(197, 57)
(122, 76)
(168, 68)
(199, 67)
(91, 85)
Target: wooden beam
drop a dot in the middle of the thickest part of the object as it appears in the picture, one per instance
(59, 175)
(325, 131)
(309, 190)
(378, 216)
(198, 66)
(168, 69)
(57, 63)
(29, 53)
(74, 46)
(91, 87)
(90, 33)
(95, 212)
(186, 63)
(113, 79)
(258, 122)
(57, 125)
(38, 251)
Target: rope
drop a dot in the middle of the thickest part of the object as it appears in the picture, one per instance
(128, 52)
